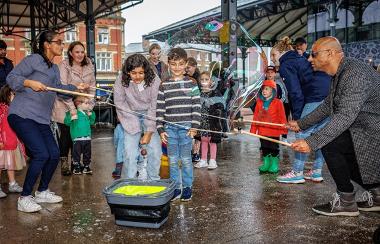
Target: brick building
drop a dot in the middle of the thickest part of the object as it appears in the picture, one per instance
(110, 45)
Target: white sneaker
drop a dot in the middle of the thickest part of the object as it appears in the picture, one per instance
(212, 164)
(201, 164)
(15, 188)
(2, 194)
(47, 196)
(27, 204)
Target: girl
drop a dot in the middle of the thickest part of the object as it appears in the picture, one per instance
(212, 104)
(77, 68)
(30, 113)
(269, 109)
(11, 154)
(136, 90)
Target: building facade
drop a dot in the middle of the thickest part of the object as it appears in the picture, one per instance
(110, 46)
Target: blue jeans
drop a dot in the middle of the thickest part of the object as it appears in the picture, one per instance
(179, 147)
(43, 149)
(132, 153)
(300, 158)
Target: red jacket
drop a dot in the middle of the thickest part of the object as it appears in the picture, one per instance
(7, 135)
(274, 114)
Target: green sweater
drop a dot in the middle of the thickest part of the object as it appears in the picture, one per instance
(80, 127)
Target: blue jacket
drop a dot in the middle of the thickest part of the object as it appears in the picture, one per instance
(5, 69)
(303, 85)
(118, 139)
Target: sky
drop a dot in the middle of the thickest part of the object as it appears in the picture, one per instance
(155, 14)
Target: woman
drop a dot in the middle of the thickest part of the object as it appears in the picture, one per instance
(76, 69)
(306, 91)
(30, 113)
(159, 67)
(136, 90)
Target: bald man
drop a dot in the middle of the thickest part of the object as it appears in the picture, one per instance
(350, 141)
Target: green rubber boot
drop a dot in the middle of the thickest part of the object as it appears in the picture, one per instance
(274, 165)
(266, 163)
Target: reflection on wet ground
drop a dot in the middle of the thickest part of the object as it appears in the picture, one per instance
(232, 204)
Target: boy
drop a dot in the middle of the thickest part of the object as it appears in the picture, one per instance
(80, 131)
(178, 102)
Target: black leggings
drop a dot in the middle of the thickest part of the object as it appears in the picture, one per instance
(269, 148)
(64, 141)
(341, 160)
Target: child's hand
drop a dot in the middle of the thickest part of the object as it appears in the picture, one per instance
(89, 113)
(74, 117)
(146, 138)
(192, 132)
(1, 146)
(73, 113)
(164, 137)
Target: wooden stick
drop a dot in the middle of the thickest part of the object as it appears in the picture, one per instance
(101, 89)
(70, 92)
(260, 122)
(266, 138)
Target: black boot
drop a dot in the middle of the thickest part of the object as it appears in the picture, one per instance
(371, 200)
(343, 204)
(65, 167)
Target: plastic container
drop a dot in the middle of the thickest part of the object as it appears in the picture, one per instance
(147, 210)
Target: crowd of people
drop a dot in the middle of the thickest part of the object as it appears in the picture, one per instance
(330, 101)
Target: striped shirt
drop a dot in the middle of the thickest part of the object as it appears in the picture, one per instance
(178, 102)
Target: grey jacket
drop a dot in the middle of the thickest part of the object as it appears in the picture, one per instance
(353, 104)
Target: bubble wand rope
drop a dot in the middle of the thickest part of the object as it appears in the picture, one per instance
(185, 127)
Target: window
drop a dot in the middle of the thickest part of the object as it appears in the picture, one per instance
(70, 35)
(104, 61)
(208, 57)
(199, 56)
(103, 36)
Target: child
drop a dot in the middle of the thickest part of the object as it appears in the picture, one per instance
(135, 93)
(11, 154)
(178, 102)
(118, 138)
(80, 131)
(212, 104)
(269, 109)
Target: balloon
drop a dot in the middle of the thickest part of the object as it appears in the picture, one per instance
(213, 25)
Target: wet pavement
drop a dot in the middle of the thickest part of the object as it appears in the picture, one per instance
(232, 204)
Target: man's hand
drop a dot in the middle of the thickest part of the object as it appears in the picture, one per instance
(146, 138)
(192, 132)
(35, 85)
(164, 137)
(293, 125)
(301, 146)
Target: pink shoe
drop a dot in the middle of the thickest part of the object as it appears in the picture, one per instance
(291, 178)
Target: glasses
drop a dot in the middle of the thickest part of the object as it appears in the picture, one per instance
(315, 54)
(59, 42)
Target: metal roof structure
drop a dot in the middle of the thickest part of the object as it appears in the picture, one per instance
(265, 20)
(54, 14)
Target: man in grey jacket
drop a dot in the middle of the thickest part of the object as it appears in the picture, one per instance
(350, 142)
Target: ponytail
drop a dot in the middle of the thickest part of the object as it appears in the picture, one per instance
(283, 45)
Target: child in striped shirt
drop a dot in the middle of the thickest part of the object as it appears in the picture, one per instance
(178, 103)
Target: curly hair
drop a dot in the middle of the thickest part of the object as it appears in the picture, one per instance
(135, 61)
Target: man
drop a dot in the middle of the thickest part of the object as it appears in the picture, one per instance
(350, 141)
(301, 46)
(159, 67)
(5, 64)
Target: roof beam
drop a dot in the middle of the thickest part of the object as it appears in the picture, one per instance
(289, 24)
(272, 24)
(298, 29)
